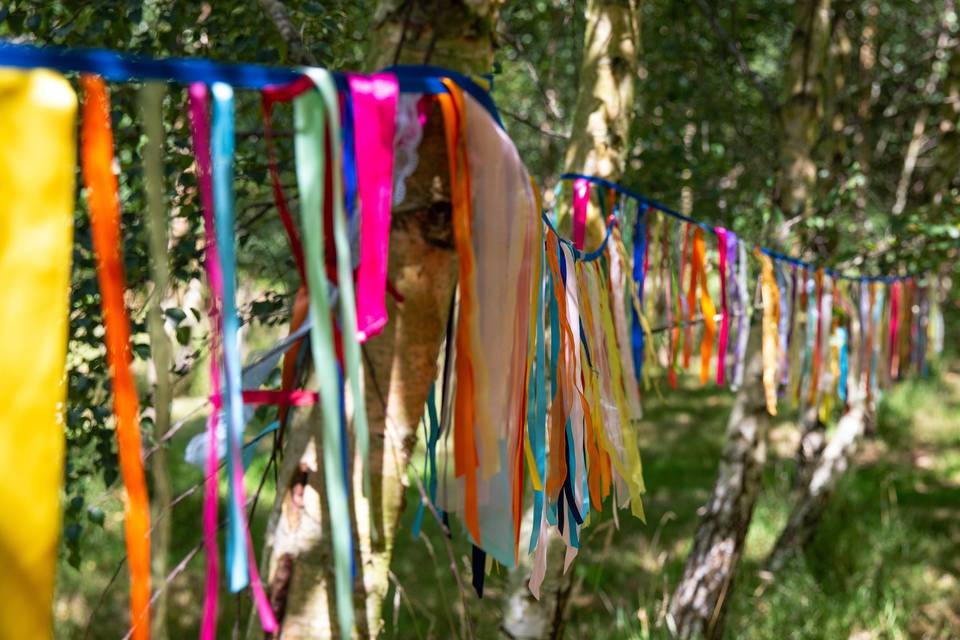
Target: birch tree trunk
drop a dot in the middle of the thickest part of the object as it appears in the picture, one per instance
(829, 467)
(605, 99)
(946, 155)
(698, 603)
(598, 146)
(819, 475)
(697, 606)
(400, 364)
(865, 96)
(823, 463)
(918, 136)
(801, 112)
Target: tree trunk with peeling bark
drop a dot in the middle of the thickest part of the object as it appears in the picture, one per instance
(819, 475)
(829, 467)
(599, 142)
(801, 113)
(400, 364)
(697, 606)
(598, 146)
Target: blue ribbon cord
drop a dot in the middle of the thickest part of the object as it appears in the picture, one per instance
(347, 127)
(659, 206)
(345, 461)
(637, 337)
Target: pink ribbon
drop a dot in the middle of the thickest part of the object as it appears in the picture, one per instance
(293, 398)
(894, 327)
(201, 143)
(724, 316)
(375, 112)
(581, 196)
(199, 110)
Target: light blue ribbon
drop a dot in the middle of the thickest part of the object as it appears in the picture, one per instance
(222, 153)
(842, 382)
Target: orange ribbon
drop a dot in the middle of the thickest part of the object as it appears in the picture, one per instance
(699, 270)
(104, 204)
(466, 458)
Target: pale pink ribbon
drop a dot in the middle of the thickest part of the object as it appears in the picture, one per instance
(581, 196)
(375, 114)
(199, 110)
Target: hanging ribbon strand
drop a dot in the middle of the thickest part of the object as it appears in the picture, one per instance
(104, 204)
(38, 112)
(311, 121)
(199, 108)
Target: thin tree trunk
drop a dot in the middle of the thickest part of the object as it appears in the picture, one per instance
(698, 603)
(865, 92)
(605, 100)
(829, 468)
(697, 606)
(817, 481)
(946, 158)
(812, 429)
(400, 364)
(813, 438)
(598, 146)
(801, 113)
(161, 348)
(918, 134)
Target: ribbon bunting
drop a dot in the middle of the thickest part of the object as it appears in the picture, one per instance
(549, 346)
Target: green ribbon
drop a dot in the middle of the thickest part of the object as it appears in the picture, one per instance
(316, 112)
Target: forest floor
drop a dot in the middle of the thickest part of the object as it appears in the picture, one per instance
(885, 562)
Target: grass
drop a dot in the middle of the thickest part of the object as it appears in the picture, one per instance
(883, 565)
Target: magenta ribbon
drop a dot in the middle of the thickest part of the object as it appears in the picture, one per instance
(274, 397)
(201, 142)
(894, 321)
(724, 316)
(581, 196)
(374, 101)
(199, 117)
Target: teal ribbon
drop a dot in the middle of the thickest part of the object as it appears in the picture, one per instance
(250, 448)
(310, 111)
(430, 465)
(222, 149)
(844, 364)
(537, 405)
(554, 313)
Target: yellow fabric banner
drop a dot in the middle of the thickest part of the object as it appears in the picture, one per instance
(37, 160)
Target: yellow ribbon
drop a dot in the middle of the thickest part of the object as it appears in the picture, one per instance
(771, 336)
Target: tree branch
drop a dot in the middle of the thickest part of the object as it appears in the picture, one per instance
(543, 129)
(733, 48)
(278, 14)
